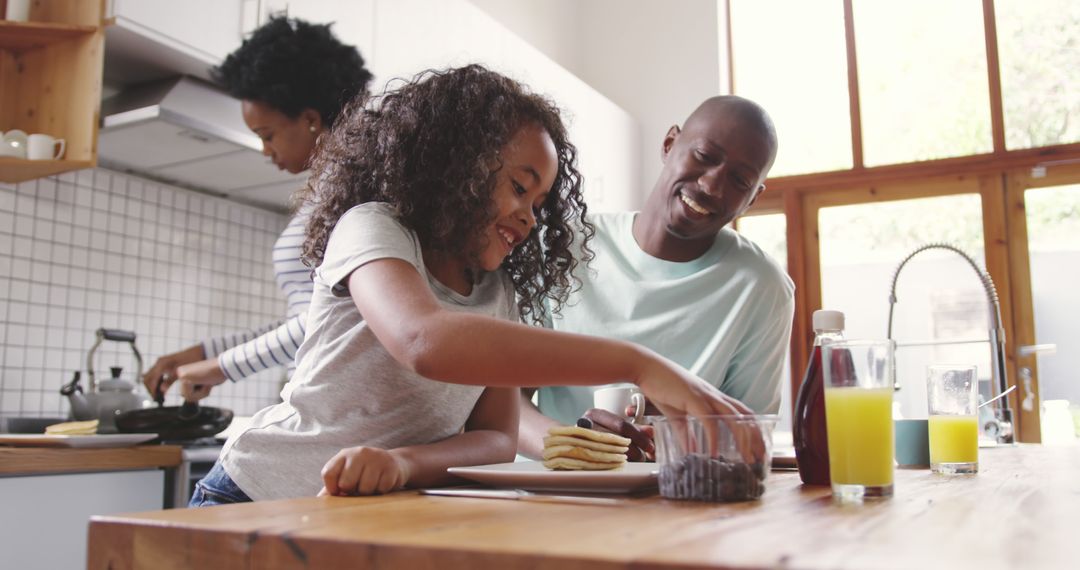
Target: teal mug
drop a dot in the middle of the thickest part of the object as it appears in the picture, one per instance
(912, 443)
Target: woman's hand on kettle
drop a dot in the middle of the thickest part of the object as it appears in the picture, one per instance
(164, 369)
(196, 379)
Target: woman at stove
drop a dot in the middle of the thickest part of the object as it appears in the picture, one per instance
(292, 78)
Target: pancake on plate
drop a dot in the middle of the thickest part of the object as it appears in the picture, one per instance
(88, 427)
(574, 448)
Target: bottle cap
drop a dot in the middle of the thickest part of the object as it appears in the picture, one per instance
(826, 320)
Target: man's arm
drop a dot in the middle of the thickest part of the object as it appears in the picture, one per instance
(533, 427)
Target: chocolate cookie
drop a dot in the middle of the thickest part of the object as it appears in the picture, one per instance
(702, 478)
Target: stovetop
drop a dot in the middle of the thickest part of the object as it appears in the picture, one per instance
(194, 443)
(203, 450)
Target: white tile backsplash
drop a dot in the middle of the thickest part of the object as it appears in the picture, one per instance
(103, 249)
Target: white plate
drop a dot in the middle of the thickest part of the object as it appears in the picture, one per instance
(99, 440)
(533, 476)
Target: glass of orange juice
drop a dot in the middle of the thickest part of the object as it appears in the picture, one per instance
(952, 399)
(858, 417)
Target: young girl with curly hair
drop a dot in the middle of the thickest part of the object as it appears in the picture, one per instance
(444, 213)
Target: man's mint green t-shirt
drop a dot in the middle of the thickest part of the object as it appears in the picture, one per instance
(725, 316)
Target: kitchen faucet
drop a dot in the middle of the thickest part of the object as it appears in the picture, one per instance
(1001, 426)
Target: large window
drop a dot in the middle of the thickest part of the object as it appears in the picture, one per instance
(804, 86)
(1040, 59)
(927, 83)
(922, 80)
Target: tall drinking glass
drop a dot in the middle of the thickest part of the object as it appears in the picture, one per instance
(858, 417)
(952, 399)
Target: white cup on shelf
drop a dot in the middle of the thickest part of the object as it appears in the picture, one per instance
(13, 144)
(40, 146)
(18, 10)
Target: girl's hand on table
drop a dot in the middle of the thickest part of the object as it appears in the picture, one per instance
(364, 471)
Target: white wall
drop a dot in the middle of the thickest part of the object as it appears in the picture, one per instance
(555, 27)
(656, 60)
(400, 38)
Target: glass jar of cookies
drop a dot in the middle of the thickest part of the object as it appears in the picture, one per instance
(714, 458)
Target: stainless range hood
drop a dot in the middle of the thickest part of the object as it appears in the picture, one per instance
(187, 132)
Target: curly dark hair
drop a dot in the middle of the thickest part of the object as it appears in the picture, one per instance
(427, 149)
(293, 65)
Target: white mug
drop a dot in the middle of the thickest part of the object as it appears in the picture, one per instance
(43, 147)
(616, 399)
(18, 10)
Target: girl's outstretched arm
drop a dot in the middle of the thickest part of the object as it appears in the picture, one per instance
(490, 436)
(463, 348)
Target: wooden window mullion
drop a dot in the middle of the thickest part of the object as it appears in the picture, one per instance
(993, 69)
(853, 88)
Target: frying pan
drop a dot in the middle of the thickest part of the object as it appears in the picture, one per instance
(189, 421)
(168, 423)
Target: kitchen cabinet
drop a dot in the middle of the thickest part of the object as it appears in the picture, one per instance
(206, 30)
(49, 494)
(45, 517)
(50, 82)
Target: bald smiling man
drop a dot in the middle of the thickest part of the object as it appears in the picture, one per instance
(676, 279)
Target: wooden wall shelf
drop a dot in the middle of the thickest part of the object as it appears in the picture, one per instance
(19, 36)
(21, 170)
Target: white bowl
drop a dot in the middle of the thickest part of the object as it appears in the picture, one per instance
(13, 144)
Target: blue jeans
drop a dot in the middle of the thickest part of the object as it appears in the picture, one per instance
(217, 488)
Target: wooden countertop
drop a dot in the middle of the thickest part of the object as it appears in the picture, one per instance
(51, 460)
(1020, 511)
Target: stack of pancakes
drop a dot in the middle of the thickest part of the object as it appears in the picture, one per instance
(88, 427)
(577, 448)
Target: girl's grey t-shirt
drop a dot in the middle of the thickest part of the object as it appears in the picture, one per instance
(347, 390)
